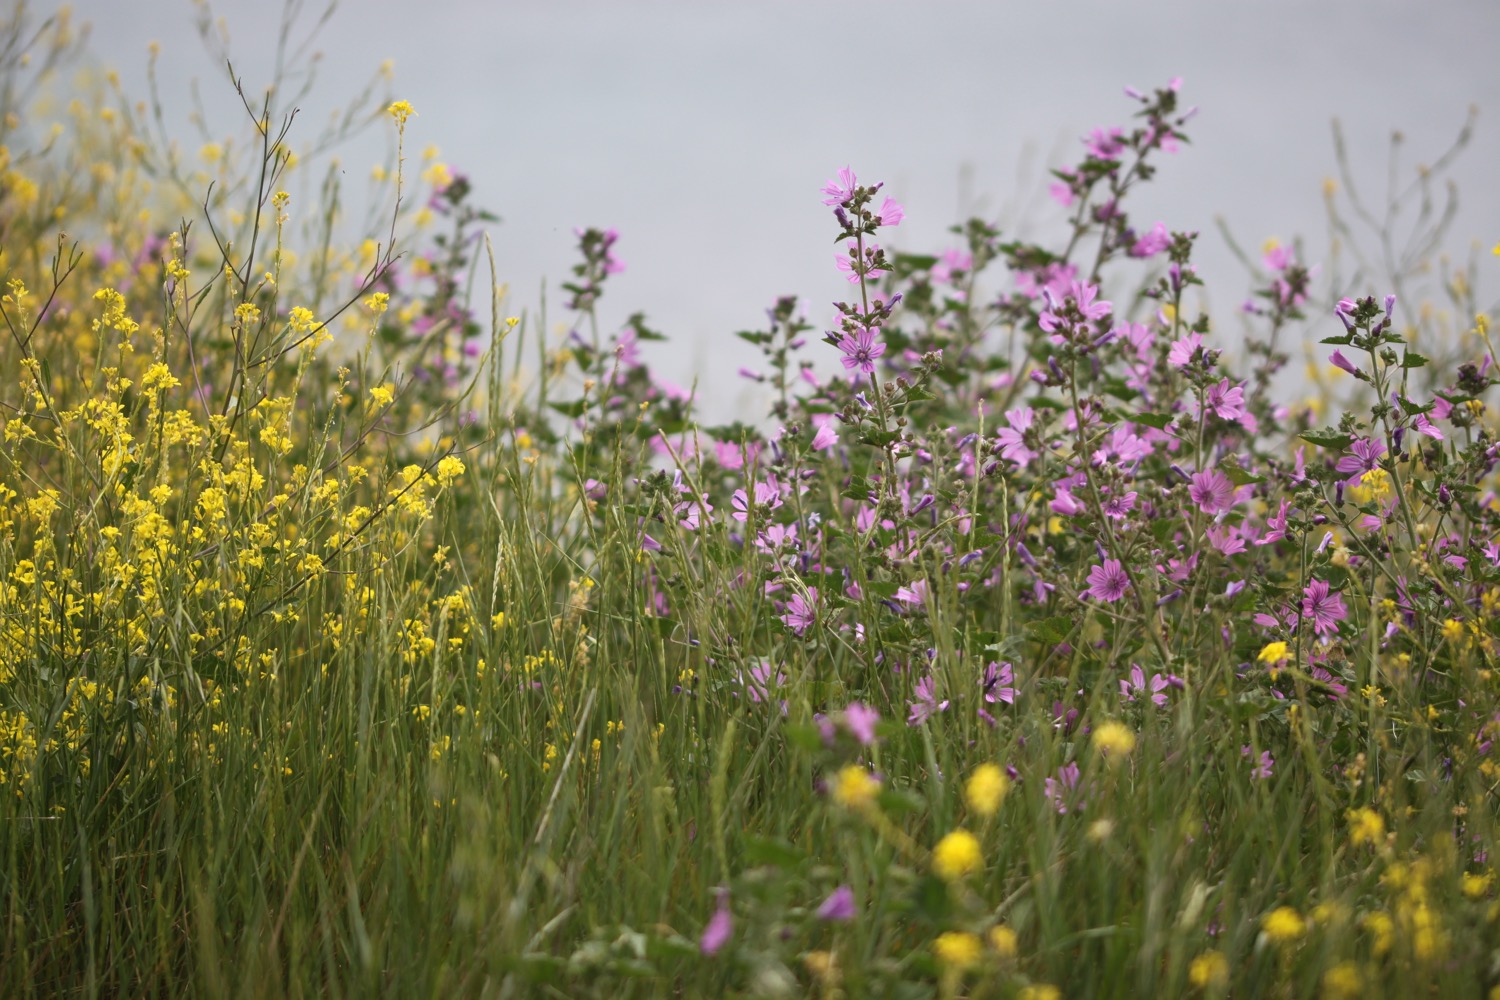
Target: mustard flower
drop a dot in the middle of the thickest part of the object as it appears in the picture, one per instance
(957, 855)
(1210, 969)
(957, 949)
(400, 111)
(1283, 925)
(855, 787)
(1114, 739)
(986, 789)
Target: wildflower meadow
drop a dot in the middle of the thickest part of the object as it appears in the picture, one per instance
(368, 631)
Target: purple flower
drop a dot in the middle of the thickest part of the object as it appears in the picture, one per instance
(1365, 459)
(926, 704)
(999, 683)
(1212, 491)
(841, 188)
(839, 905)
(801, 614)
(1325, 609)
(720, 926)
(1137, 685)
(1108, 582)
(1063, 789)
(1339, 361)
(1262, 770)
(1153, 243)
(861, 721)
(861, 349)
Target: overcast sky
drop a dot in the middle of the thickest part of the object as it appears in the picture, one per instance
(703, 130)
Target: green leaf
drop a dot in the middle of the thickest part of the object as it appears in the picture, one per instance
(1411, 359)
(1327, 439)
(1343, 341)
(1231, 467)
(1157, 420)
(1050, 630)
(573, 409)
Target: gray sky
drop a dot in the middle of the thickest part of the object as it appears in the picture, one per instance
(703, 130)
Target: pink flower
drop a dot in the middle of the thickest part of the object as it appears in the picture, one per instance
(861, 721)
(1153, 243)
(1063, 790)
(1212, 491)
(802, 614)
(1325, 609)
(1182, 351)
(839, 906)
(1105, 144)
(1339, 361)
(1226, 403)
(826, 437)
(841, 188)
(1425, 426)
(720, 926)
(926, 704)
(1262, 770)
(1137, 685)
(1012, 439)
(1107, 582)
(891, 213)
(861, 349)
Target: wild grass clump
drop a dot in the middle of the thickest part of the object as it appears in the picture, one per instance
(1031, 646)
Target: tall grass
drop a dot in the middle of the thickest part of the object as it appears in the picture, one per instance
(373, 665)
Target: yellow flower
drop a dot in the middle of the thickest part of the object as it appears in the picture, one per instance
(1210, 969)
(986, 789)
(855, 788)
(1040, 991)
(1003, 940)
(378, 302)
(1283, 925)
(1476, 886)
(958, 949)
(1365, 826)
(1343, 982)
(1114, 738)
(1274, 653)
(1453, 630)
(957, 855)
(400, 111)
(382, 395)
(449, 468)
(1382, 928)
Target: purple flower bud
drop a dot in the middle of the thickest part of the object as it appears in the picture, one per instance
(1390, 303)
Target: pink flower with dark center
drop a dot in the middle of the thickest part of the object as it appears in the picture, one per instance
(861, 349)
(1107, 582)
(1326, 610)
(1212, 491)
(999, 683)
(1063, 790)
(1365, 458)
(1105, 144)
(1224, 402)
